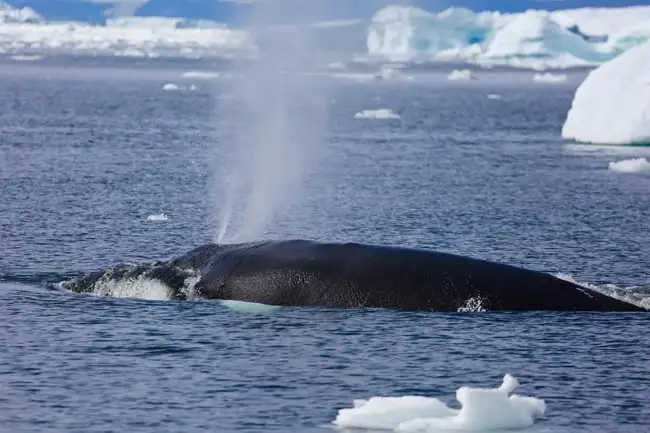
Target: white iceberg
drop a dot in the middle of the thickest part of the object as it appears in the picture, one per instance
(10, 14)
(612, 105)
(23, 31)
(532, 38)
(535, 39)
(461, 74)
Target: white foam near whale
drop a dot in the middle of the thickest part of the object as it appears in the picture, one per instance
(481, 409)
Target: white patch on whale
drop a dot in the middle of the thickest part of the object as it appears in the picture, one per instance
(249, 307)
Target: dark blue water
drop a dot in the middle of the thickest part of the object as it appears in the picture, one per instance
(86, 154)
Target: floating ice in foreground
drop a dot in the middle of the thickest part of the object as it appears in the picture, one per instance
(381, 113)
(170, 86)
(159, 217)
(549, 77)
(482, 409)
(461, 74)
(612, 105)
(635, 165)
(494, 96)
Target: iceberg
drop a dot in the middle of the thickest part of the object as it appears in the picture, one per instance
(10, 14)
(79, 38)
(535, 39)
(461, 74)
(23, 31)
(612, 105)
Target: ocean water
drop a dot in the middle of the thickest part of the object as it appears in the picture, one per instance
(88, 152)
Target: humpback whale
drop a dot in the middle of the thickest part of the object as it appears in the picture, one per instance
(305, 273)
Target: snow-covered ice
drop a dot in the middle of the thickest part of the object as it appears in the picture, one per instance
(204, 75)
(535, 39)
(381, 113)
(170, 86)
(461, 74)
(482, 409)
(158, 217)
(23, 31)
(612, 105)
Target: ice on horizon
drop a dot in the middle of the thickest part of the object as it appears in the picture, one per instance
(481, 409)
(612, 105)
(548, 77)
(461, 75)
(535, 39)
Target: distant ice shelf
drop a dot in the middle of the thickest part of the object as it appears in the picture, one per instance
(23, 31)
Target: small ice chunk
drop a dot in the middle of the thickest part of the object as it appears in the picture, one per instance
(481, 409)
(159, 217)
(170, 86)
(461, 74)
(381, 113)
(635, 165)
(494, 96)
(549, 77)
(201, 75)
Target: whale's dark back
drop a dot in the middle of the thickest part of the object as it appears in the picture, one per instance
(306, 273)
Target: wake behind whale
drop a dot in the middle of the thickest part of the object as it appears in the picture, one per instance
(303, 273)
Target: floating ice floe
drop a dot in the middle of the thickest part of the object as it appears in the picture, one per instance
(158, 217)
(204, 75)
(461, 74)
(635, 165)
(381, 113)
(549, 77)
(494, 96)
(170, 86)
(25, 58)
(612, 105)
(481, 409)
